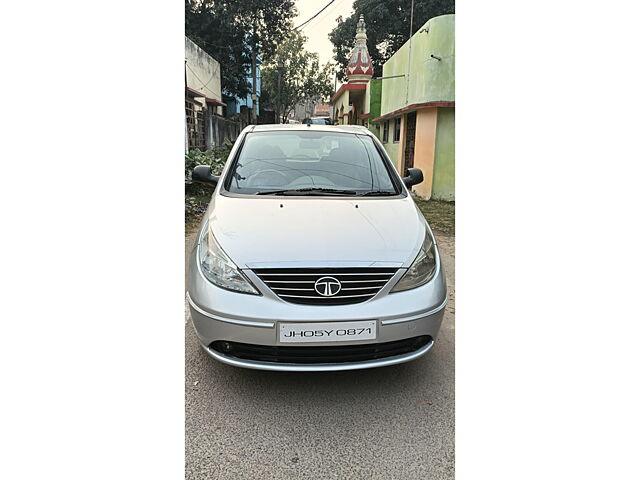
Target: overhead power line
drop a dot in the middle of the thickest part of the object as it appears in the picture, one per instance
(323, 9)
(319, 19)
(204, 85)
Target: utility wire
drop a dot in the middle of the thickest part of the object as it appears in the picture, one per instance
(319, 20)
(323, 9)
(201, 81)
(212, 44)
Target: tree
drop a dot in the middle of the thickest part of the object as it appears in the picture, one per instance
(266, 23)
(236, 32)
(294, 75)
(211, 25)
(388, 25)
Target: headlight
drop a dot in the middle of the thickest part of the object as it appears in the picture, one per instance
(423, 268)
(218, 268)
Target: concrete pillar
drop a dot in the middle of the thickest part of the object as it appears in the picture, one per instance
(425, 149)
(403, 135)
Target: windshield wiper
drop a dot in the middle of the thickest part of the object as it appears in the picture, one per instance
(377, 193)
(308, 191)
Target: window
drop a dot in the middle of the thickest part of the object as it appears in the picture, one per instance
(396, 130)
(385, 132)
(195, 125)
(293, 160)
(317, 121)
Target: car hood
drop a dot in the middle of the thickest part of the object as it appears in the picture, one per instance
(312, 231)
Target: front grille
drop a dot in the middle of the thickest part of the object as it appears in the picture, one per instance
(297, 285)
(316, 354)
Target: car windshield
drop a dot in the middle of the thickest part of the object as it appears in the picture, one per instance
(309, 163)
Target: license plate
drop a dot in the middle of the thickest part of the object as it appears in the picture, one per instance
(327, 332)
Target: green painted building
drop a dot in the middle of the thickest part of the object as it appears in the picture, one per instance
(412, 108)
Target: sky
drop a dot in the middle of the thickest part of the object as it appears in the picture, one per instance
(318, 29)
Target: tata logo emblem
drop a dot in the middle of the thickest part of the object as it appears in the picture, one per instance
(327, 286)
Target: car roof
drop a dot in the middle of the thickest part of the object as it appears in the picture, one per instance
(275, 127)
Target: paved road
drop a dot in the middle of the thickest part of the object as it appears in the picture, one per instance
(389, 423)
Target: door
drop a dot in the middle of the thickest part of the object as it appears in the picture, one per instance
(410, 141)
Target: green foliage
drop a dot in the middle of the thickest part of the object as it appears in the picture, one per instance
(265, 21)
(215, 158)
(294, 75)
(228, 29)
(197, 195)
(388, 26)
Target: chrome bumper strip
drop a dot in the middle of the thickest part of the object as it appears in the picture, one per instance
(318, 367)
(244, 323)
(415, 317)
(248, 323)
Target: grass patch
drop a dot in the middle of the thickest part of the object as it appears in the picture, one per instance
(440, 215)
(195, 206)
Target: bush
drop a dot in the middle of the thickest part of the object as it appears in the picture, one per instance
(214, 157)
(197, 195)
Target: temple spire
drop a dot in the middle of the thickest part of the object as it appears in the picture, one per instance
(360, 68)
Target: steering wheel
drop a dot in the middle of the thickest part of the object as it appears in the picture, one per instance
(314, 179)
(251, 179)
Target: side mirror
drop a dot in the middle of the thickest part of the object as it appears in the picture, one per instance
(202, 173)
(414, 178)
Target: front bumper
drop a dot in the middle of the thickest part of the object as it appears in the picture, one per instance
(212, 327)
(221, 315)
(319, 367)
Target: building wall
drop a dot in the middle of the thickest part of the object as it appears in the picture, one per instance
(235, 103)
(444, 168)
(423, 79)
(202, 71)
(223, 129)
(375, 92)
(399, 145)
(426, 79)
(321, 110)
(391, 147)
(426, 129)
(375, 95)
(394, 149)
(342, 102)
(303, 110)
(366, 105)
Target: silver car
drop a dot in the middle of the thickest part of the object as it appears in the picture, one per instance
(312, 255)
